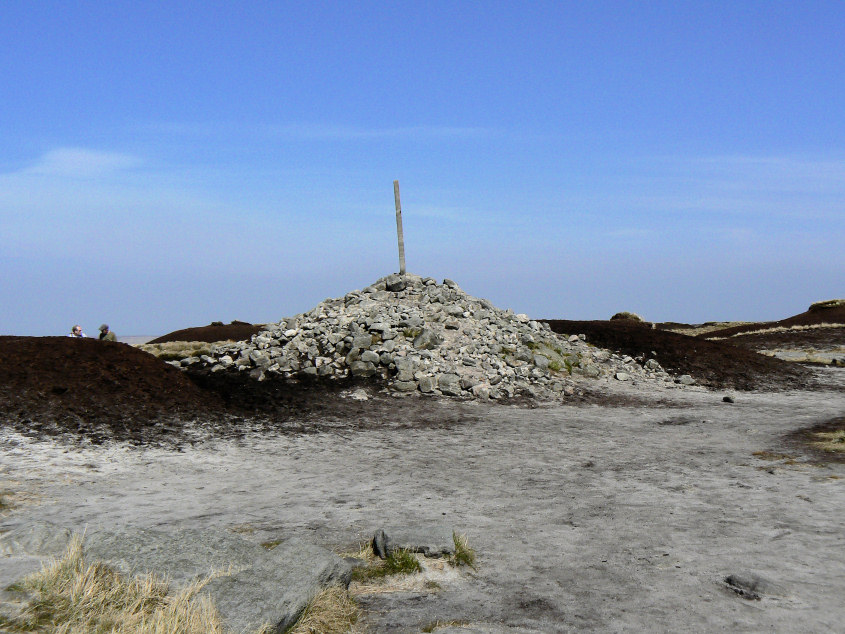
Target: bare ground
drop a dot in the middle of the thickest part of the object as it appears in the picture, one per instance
(584, 516)
(625, 508)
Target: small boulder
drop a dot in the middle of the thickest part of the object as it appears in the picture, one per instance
(426, 384)
(427, 340)
(626, 316)
(449, 384)
(541, 361)
(395, 283)
(362, 368)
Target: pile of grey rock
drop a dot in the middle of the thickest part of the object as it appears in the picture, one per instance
(422, 336)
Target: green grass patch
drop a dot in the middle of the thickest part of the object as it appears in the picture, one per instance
(464, 555)
(398, 562)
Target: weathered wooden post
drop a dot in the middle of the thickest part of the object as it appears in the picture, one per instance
(399, 228)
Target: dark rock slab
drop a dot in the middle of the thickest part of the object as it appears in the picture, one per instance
(182, 555)
(277, 587)
(434, 540)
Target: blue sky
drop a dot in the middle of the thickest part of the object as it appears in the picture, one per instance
(169, 164)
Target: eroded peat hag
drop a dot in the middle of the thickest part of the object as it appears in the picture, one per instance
(715, 364)
(54, 386)
(86, 390)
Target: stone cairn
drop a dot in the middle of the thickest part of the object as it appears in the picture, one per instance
(420, 336)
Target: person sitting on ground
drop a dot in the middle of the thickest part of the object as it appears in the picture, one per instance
(106, 334)
(76, 331)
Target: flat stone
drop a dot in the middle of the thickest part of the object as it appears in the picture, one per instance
(183, 555)
(431, 540)
(276, 589)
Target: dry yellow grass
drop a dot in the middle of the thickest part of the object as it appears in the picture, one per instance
(831, 440)
(692, 331)
(332, 611)
(776, 329)
(179, 349)
(69, 595)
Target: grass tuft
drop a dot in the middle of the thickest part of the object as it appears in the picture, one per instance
(464, 555)
(398, 562)
(411, 333)
(331, 611)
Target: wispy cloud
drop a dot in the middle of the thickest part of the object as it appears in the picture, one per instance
(788, 187)
(773, 170)
(81, 162)
(76, 202)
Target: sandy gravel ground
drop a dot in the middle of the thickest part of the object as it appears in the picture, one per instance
(583, 517)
